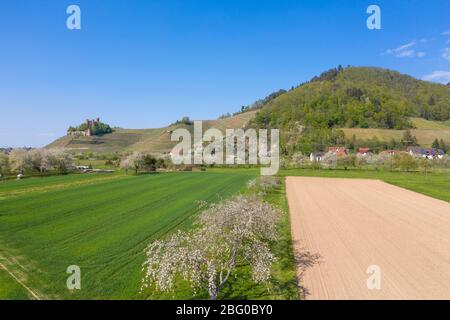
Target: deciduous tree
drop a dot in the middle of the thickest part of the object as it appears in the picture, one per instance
(228, 234)
(405, 162)
(134, 161)
(4, 164)
(18, 160)
(58, 159)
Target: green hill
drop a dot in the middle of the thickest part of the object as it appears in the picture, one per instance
(358, 99)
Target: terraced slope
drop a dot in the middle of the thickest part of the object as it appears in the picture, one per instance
(148, 140)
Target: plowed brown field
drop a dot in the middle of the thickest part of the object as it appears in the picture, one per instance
(354, 224)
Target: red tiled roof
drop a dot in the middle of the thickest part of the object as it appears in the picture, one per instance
(340, 151)
(363, 150)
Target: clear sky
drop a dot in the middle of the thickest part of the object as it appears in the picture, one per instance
(142, 64)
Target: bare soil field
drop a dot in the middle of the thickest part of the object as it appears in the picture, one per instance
(354, 224)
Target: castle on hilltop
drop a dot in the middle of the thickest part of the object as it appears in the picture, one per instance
(87, 132)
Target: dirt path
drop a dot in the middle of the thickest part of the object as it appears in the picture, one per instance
(31, 292)
(354, 224)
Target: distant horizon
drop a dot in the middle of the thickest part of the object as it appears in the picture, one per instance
(146, 64)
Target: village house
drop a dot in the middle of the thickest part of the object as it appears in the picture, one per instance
(316, 156)
(431, 153)
(391, 152)
(363, 151)
(338, 151)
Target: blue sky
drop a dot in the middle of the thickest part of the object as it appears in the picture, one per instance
(142, 64)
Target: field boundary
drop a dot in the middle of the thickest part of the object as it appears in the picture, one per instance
(60, 186)
(34, 294)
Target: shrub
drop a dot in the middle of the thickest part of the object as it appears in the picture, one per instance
(346, 161)
(405, 162)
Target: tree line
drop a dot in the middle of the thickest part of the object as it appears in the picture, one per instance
(402, 161)
(21, 161)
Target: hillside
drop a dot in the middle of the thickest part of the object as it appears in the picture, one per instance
(149, 140)
(358, 98)
(425, 131)
(362, 101)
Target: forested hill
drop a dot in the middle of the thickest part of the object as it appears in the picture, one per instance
(357, 97)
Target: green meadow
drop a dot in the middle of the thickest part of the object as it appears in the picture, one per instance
(10, 289)
(102, 223)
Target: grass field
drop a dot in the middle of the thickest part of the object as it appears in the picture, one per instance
(17, 187)
(47, 224)
(424, 130)
(10, 289)
(421, 123)
(424, 137)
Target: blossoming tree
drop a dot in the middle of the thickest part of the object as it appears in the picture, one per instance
(228, 234)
